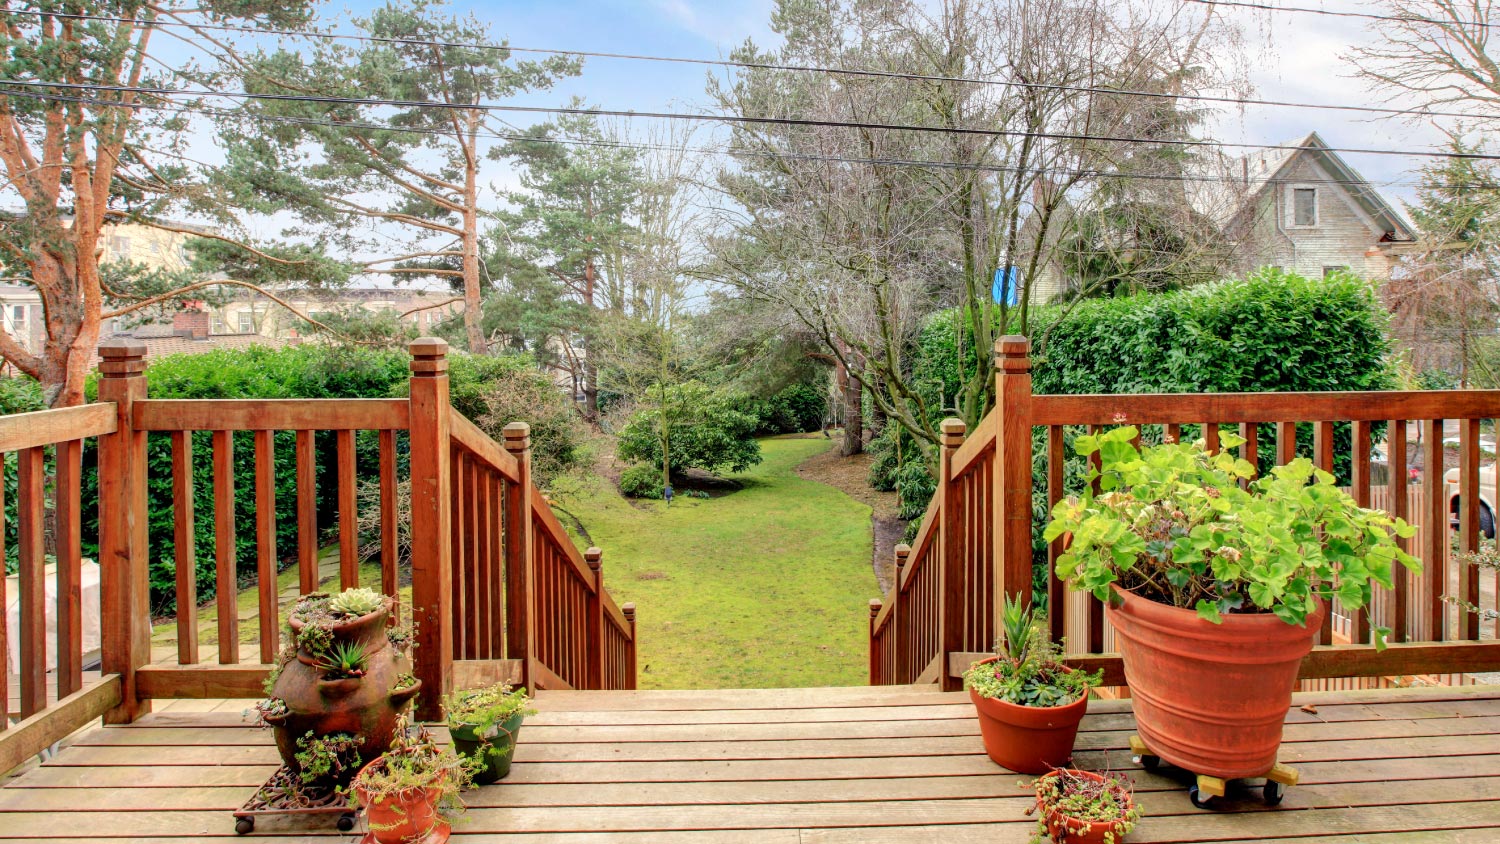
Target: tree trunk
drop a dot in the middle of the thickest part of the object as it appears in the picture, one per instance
(473, 310)
(854, 433)
(877, 416)
(590, 369)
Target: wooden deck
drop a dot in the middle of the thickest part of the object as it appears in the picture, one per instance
(886, 764)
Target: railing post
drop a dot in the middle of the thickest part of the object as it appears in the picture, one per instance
(902, 644)
(629, 610)
(875, 606)
(1012, 517)
(125, 585)
(431, 524)
(520, 644)
(951, 579)
(594, 620)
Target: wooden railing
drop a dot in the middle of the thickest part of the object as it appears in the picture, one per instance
(498, 590)
(975, 540)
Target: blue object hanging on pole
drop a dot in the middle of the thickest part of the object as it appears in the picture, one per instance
(1007, 286)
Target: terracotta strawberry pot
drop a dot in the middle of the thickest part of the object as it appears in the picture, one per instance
(1069, 830)
(1028, 739)
(409, 817)
(1210, 698)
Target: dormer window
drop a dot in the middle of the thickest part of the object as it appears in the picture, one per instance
(1304, 207)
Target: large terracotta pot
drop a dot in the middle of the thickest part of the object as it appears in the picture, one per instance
(362, 706)
(1210, 698)
(1068, 830)
(1028, 739)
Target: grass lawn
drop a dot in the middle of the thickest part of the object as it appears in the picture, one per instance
(768, 586)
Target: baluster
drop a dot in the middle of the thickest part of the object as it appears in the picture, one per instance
(458, 465)
(184, 541)
(629, 611)
(1434, 528)
(348, 511)
(4, 628)
(1057, 595)
(497, 564)
(226, 581)
(951, 587)
(1286, 442)
(265, 541)
(1468, 524)
(68, 539)
(1400, 506)
(32, 577)
(389, 527)
(1323, 459)
(307, 514)
(875, 649)
(1359, 620)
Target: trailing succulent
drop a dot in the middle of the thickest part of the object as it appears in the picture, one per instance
(1177, 525)
(415, 763)
(487, 707)
(1028, 669)
(1087, 799)
(324, 759)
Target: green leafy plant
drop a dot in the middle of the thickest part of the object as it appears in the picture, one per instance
(356, 602)
(415, 763)
(493, 705)
(345, 660)
(270, 707)
(327, 759)
(1028, 669)
(315, 639)
(404, 680)
(1106, 799)
(1175, 525)
(641, 481)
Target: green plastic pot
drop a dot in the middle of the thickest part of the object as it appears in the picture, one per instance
(493, 745)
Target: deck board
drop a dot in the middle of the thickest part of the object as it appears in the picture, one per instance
(807, 766)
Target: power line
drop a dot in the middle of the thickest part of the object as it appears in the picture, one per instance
(1331, 13)
(732, 119)
(793, 156)
(746, 65)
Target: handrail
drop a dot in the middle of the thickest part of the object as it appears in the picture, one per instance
(271, 414)
(48, 427)
(979, 521)
(471, 437)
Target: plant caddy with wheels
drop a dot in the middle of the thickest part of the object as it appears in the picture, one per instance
(1215, 590)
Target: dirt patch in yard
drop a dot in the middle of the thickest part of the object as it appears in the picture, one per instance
(850, 475)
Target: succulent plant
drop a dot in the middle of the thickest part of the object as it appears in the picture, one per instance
(353, 603)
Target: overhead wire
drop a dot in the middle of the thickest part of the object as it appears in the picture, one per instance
(793, 156)
(750, 65)
(730, 119)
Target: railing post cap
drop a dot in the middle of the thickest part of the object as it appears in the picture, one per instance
(875, 606)
(902, 550)
(122, 357)
(629, 610)
(517, 436)
(429, 357)
(953, 430)
(593, 556)
(1012, 353)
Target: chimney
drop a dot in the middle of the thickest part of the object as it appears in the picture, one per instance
(192, 321)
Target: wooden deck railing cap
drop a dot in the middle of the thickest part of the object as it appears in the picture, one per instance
(902, 552)
(875, 605)
(629, 610)
(1012, 353)
(517, 436)
(594, 557)
(953, 431)
(121, 357)
(429, 357)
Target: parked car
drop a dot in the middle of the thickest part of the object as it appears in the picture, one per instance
(1486, 499)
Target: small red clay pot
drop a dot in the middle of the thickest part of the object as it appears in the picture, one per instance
(1210, 698)
(406, 818)
(1066, 830)
(1028, 739)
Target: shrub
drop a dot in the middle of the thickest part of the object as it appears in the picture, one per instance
(519, 392)
(797, 409)
(707, 431)
(641, 481)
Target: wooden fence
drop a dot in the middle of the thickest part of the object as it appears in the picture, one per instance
(498, 589)
(975, 540)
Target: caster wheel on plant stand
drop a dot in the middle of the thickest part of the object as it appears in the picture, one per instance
(244, 826)
(346, 822)
(1206, 789)
(1142, 755)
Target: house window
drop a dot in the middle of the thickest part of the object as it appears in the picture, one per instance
(247, 322)
(1305, 207)
(18, 317)
(120, 246)
(1328, 271)
(219, 326)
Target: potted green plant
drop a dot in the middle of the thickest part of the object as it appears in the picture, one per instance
(1029, 703)
(1083, 807)
(412, 792)
(484, 724)
(1216, 589)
